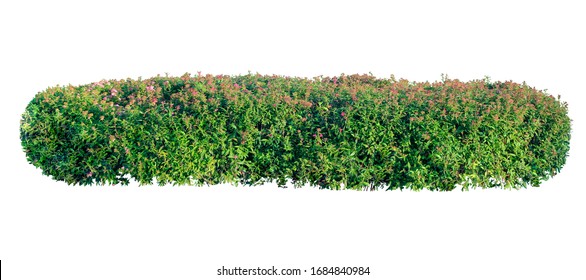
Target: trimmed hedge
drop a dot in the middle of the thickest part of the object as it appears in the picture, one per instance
(353, 132)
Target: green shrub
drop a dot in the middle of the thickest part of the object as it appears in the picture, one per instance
(354, 132)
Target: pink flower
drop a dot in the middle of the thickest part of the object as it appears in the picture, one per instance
(150, 88)
(343, 114)
(114, 91)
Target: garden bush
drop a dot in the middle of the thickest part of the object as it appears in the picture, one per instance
(344, 132)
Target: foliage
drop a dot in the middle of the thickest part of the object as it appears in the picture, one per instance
(350, 131)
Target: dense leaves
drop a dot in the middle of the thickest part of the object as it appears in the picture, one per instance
(354, 132)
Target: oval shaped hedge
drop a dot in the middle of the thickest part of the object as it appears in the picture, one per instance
(356, 132)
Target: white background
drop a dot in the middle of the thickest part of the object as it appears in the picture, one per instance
(49, 230)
